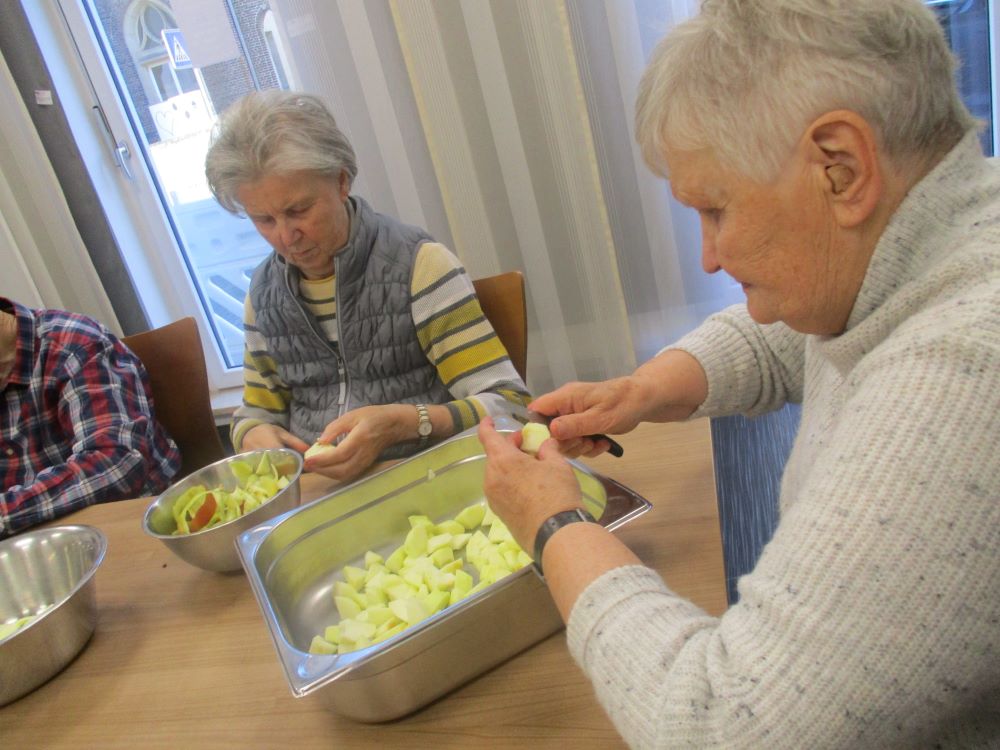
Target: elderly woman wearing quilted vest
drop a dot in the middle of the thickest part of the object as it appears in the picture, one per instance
(362, 333)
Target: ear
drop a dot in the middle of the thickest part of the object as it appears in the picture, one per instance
(344, 185)
(841, 148)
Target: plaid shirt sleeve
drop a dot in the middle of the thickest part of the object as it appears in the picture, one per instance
(86, 431)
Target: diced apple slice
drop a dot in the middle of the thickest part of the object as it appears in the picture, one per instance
(379, 614)
(460, 540)
(317, 449)
(320, 645)
(332, 633)
(471, 517)
(488, 517)
(438, 541)
(356, 631)
(419, 520)
(499, 532)
(373, 558)
(443, 556)
(354, 576)
(347, 607)
(450, 527)
(394, 630)
(394, 562)
(410, 611)
(436, 601)
(342, 588)
(416, 541)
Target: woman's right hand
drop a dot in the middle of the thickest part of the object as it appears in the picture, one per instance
(667, 388)
(271, 436)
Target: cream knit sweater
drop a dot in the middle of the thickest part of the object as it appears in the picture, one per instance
(872, 619)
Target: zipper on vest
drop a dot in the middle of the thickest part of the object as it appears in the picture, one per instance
(342, 400)
(341, 366)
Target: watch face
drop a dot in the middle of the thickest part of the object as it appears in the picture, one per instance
(424, 426)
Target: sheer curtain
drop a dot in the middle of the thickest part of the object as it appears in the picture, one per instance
(505, 128)
(43, 262)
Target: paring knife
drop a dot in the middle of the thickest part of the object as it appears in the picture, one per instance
(615, 448)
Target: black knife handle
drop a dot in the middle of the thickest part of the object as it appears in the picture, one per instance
(615, 448)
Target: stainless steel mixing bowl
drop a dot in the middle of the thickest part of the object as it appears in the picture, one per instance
(215, 548)
(49, 573)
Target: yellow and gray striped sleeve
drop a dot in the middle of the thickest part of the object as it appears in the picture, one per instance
(460, 342)
(266, 398)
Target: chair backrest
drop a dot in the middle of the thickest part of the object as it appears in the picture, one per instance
(173, 358)
(503, 302)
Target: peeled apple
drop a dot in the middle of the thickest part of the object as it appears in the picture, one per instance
(532, 437)
(317, 449)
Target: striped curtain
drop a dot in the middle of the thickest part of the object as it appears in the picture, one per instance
(504, 128)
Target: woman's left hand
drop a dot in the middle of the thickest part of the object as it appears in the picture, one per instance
(522, 489)
(369, 431)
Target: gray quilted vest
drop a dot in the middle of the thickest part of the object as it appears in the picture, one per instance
(378, 359)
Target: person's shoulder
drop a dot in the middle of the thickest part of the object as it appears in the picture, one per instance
(71, 328)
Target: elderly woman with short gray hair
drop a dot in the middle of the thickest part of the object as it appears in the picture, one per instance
(840, 180)
(363, 335)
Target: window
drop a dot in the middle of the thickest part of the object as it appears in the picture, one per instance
(972, 33)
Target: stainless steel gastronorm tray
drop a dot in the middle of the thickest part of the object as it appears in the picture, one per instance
(293, 560)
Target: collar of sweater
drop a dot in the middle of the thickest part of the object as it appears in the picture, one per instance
(910, 243)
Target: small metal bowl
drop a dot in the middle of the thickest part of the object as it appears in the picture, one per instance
(215, 548)
(48, 573)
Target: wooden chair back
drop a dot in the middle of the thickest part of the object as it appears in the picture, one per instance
(502, 298)
(174, 360)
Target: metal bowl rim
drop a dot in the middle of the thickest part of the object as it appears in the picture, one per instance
(228, 459)
(102, 548)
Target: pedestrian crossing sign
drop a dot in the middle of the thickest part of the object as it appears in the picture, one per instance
(173, 40)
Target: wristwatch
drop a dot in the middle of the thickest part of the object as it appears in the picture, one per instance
(424, 426)
(551, 525)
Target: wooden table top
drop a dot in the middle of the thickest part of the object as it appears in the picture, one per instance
(181, 657)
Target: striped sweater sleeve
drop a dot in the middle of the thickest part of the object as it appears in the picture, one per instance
(458, 339)
(266, 398)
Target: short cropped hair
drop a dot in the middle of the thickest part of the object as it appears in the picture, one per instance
(274, 132)
(745, 78)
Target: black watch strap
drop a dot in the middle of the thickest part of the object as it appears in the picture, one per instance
(551, 525)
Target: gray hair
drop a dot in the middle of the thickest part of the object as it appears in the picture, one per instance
(274, 132)
(744, 78)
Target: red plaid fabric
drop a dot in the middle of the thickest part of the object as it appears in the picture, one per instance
(76, 424)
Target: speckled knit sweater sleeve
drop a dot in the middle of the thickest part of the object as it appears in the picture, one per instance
(872, 619)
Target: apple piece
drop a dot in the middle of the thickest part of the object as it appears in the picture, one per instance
(394, 562)
(443, 556)
(419, 520)
(410, 611)
(499, 532)
(394, 630)
(318, 449)
(460, 540)
(489, 517)
(332, 634)
(416, 541)
(450, 527)
(438, 541)
(379, 614)
(532, 437)
(354, 576)
(471, 517)
(320, 645)
(356, 631)
(347, 607)
(342, 588)
(373, 558)
(436, 601)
